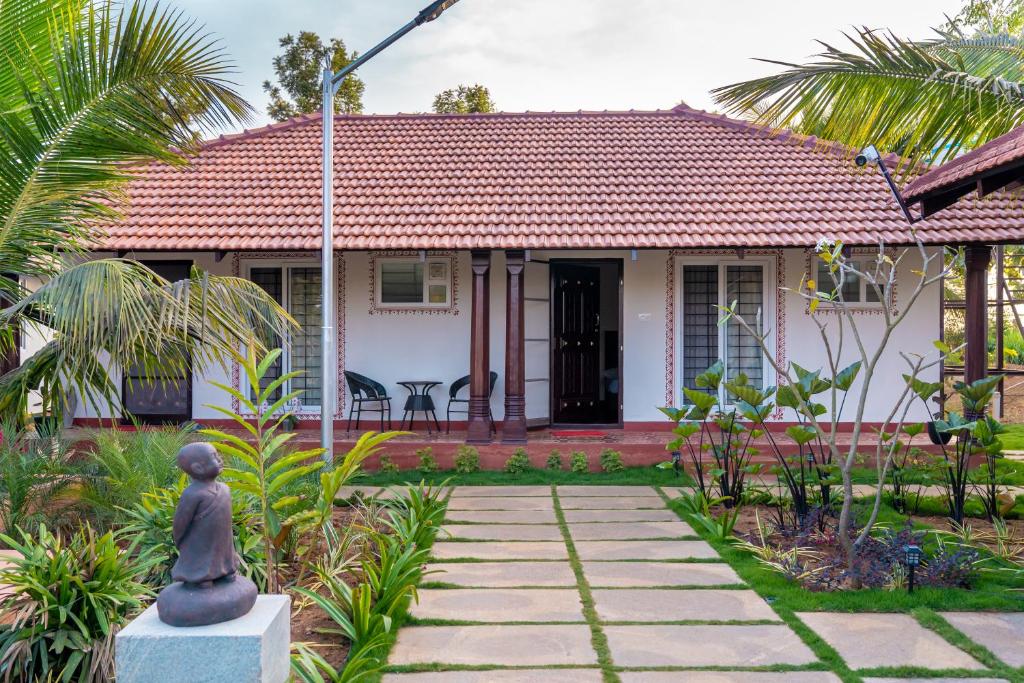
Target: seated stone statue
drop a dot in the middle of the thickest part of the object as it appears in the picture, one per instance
(206, 588)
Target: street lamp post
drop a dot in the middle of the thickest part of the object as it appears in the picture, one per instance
(331, 82)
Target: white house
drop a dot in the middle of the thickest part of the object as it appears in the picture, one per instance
(580, 256)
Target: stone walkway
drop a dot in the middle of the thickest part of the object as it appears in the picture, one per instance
(581, 584)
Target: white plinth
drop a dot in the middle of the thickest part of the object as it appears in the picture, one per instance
(250, 649)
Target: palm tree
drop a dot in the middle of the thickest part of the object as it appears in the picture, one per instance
(87, 89)
(926, 100)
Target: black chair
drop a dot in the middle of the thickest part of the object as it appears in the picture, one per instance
(366, 390)
(453, 397)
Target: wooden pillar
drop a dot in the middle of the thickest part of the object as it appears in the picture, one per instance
(976, 316)
(480, 350)
(514, 430)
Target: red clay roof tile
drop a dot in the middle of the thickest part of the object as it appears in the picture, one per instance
(1005, 150)
(678, 178)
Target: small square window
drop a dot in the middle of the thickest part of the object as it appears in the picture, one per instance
(401, 282)
(438, 294)
(856, 290)
(410, 283)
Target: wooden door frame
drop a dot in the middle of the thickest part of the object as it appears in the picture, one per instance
(553, 266)
(155, 418)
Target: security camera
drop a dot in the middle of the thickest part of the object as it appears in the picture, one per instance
(868, 154)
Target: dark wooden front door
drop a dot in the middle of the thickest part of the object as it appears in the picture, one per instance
(161, 397)
(576, 342)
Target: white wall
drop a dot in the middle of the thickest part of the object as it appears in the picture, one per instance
(394, 346)
(914, 335)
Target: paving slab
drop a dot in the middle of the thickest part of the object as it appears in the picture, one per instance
(672, 493)
(876, 640)
(499, 605)
(644, 550)
(501, 516)
(605, 491)
(501, 491)
(727, 677)
(612, 503)
(652, 604)
(590, 516)
(498, 503)
(500, 550)
(503, 574)
(503, 532)
(501, 645)
(647, 574)
(706, 645)
(1001, 632)
(629, 530)
(501, 676)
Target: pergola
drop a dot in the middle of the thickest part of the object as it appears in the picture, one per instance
(996, 165)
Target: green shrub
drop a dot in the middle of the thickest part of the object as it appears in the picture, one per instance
(68, 598)
(517, 462)
(611, 460)
(554, 460)
(124, 465)
(387, 465)
(467, 460)
(34, 473)
(265, 473)
(385, 584)
(578, 462)
(428, 463)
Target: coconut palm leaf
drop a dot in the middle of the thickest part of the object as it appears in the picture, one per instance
(927, 100)
(115, 312)
(88, 89)
(110, 86)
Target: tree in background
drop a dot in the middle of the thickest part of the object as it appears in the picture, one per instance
(926, 100)
(299, 69)
(466, 99)
(989, 17)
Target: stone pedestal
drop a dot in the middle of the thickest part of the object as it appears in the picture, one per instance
(251, 649)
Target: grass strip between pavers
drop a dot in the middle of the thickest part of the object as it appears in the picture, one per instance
(786, 599)
(829, 658)
(597, 638)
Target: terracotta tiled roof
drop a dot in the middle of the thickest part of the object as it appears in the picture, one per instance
(997, 154)
(676, 178)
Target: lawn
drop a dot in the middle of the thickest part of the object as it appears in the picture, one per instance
(650, 476)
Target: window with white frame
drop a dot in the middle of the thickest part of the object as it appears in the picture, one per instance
(707, 287)
(855, 289)
(413, 283)
(296, 287)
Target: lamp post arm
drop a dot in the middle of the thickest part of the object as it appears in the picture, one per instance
(338, 77)
(331, 82)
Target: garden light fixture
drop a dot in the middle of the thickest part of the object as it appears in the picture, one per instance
(912, 555)
(331, 83)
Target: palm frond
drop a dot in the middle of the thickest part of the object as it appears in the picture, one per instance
(899, 95)
(118, 85)
(119, 313)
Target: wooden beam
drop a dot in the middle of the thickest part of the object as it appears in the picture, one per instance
(479, 430)
(978, 257)
(514, 424)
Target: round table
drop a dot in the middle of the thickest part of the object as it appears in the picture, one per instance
(419, 401)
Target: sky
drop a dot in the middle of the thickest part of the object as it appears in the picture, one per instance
(544, 55)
